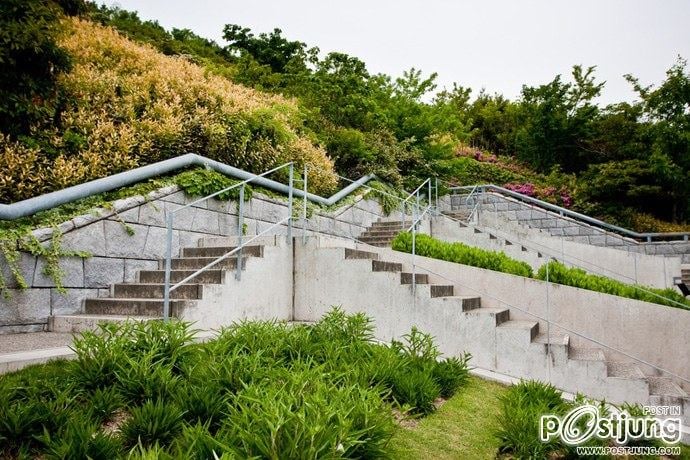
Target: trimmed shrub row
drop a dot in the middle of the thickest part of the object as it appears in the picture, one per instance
(461, 253)
(558, 273)
(575, 277)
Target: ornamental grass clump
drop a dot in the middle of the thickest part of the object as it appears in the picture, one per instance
(461, 254)
(259, 389)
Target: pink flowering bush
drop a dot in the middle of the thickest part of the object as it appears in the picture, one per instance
(550, 194)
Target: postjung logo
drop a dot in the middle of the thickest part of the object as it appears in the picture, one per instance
(589, 421)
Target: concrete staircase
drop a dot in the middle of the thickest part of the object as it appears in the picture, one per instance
(486, 239)
(517, 347)
(143, 299)
(382, 232)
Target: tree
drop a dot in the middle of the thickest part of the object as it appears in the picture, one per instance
(31, 61)
(556, 120)
(271, 49)
(667, 111)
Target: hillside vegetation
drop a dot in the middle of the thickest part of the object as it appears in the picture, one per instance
(92, 103)
(124, 105)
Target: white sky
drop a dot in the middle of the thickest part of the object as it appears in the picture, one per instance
(492, 44)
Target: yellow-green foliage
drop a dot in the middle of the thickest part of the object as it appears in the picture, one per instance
(126, 105)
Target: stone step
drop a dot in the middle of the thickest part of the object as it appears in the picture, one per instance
(376, 244)
(210, 276)
(12, 362)
(624, 370)
(532, 327)
(357, 254)
(384, 230)
(665, 387)
(500, 314)
(419, 278)
(133, 307)
(383, 266)
(467, 303)
(368, 234)
(389, 224)
(375, 239)
(82, 323)
(586, 354)
(217, 251)
(195, 263)
(233, 241)
(441, 290)
(155, 291)
(554, 339)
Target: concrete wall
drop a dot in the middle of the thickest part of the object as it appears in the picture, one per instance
(555, 225)
(627, 267)
(249, 298)
(654, 333)
(116, 255)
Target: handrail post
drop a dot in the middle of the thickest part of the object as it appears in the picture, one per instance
(168, 265)
(417, 205)
(304, 208)
(402, 214)
(548, 320)
(289, 229)
(428, 194)
(240, 233)
(436, 193)
(414, 238)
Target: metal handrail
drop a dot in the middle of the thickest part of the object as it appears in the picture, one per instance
(417, 190)
(418, 220)
(50, 200)
(227, 189)
(576, 215)
(226, 255)
(171, 214)
(546, 320)
(565, 259)
(372, 188)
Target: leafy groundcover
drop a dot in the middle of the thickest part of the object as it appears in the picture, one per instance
(260, 389)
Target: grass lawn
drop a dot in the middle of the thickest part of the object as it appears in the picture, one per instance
(461, 428)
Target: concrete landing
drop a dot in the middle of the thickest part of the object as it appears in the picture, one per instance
(13, 343)
(20, 350)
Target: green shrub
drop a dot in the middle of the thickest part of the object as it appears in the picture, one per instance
(260, 388)
(415, 388)
(518, 423)
(144, 378)
(197, 443)
(82, 439)
(560, 274)
(204, 402)
(153, 422)
(103, 403)
(461, 253)
(386, 196)
(302, 415)
(451, 374)
(204, 182)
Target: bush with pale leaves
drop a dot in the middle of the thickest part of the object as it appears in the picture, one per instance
(125, 105)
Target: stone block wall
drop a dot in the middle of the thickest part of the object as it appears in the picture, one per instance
(131, 236)
(561, 226)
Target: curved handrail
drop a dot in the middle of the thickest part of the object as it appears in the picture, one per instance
(575, 215)
(50, 200)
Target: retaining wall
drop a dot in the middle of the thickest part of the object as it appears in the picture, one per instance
(655, 333)
(556, 225)
(131, 236)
